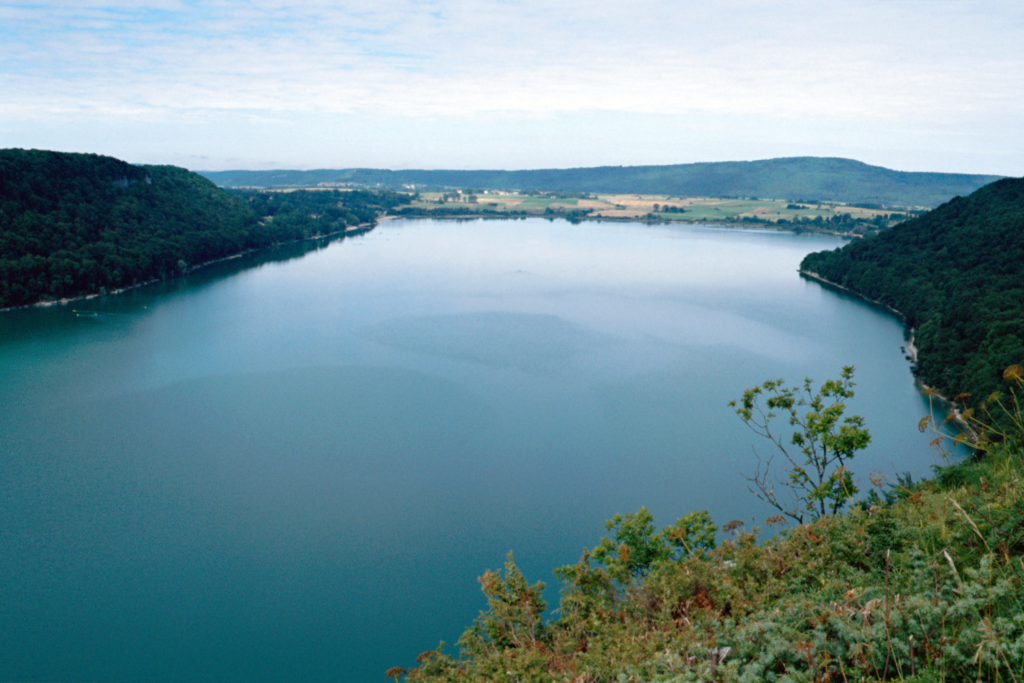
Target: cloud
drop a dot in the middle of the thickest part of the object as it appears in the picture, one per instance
(938, 63)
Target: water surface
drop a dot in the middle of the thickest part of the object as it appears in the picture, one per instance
(293, 467)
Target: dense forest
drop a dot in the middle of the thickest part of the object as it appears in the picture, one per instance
(77, 224)
(808, 178)
(957, 275)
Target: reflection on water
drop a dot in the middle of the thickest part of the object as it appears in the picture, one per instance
(16, 323)
(295, 464)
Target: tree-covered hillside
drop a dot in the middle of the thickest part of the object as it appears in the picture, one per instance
(957, 274)
(808, 178)
(75, 224)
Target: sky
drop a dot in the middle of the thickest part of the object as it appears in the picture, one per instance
(915, 85)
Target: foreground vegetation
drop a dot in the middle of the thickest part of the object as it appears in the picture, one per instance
(921, 582)
(957, 276)
(79, 224)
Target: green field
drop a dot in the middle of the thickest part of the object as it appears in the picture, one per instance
(833, 217)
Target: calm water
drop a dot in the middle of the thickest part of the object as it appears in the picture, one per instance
(297, 472)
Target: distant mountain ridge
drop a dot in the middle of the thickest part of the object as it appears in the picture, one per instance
(809, 178)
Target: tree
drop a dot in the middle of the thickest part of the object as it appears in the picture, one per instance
(818, 479)
(514, 615)
(637, 546)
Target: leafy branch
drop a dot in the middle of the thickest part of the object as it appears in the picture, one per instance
(815, 453)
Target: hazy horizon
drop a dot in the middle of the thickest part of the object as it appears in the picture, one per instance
(554, 168)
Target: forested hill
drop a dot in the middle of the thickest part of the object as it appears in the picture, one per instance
(957, 274)
(75, 224)
(808, 178)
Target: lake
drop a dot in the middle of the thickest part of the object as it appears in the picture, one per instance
(294, 465)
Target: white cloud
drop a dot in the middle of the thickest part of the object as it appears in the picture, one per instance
(941, 64)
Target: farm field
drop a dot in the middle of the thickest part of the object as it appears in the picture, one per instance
(825, 215)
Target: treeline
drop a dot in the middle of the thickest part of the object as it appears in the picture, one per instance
(307, 213)
(77, 224)
(446, 211)
(957, 274)
(843, 223)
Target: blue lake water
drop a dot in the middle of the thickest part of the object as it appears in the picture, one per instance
(293, 466)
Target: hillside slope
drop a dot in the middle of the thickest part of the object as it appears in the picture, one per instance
(824, 179)
(76, 224)
(957, 274)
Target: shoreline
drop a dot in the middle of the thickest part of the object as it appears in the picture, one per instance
(763, 225)
(362, 227)
(928, 391)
